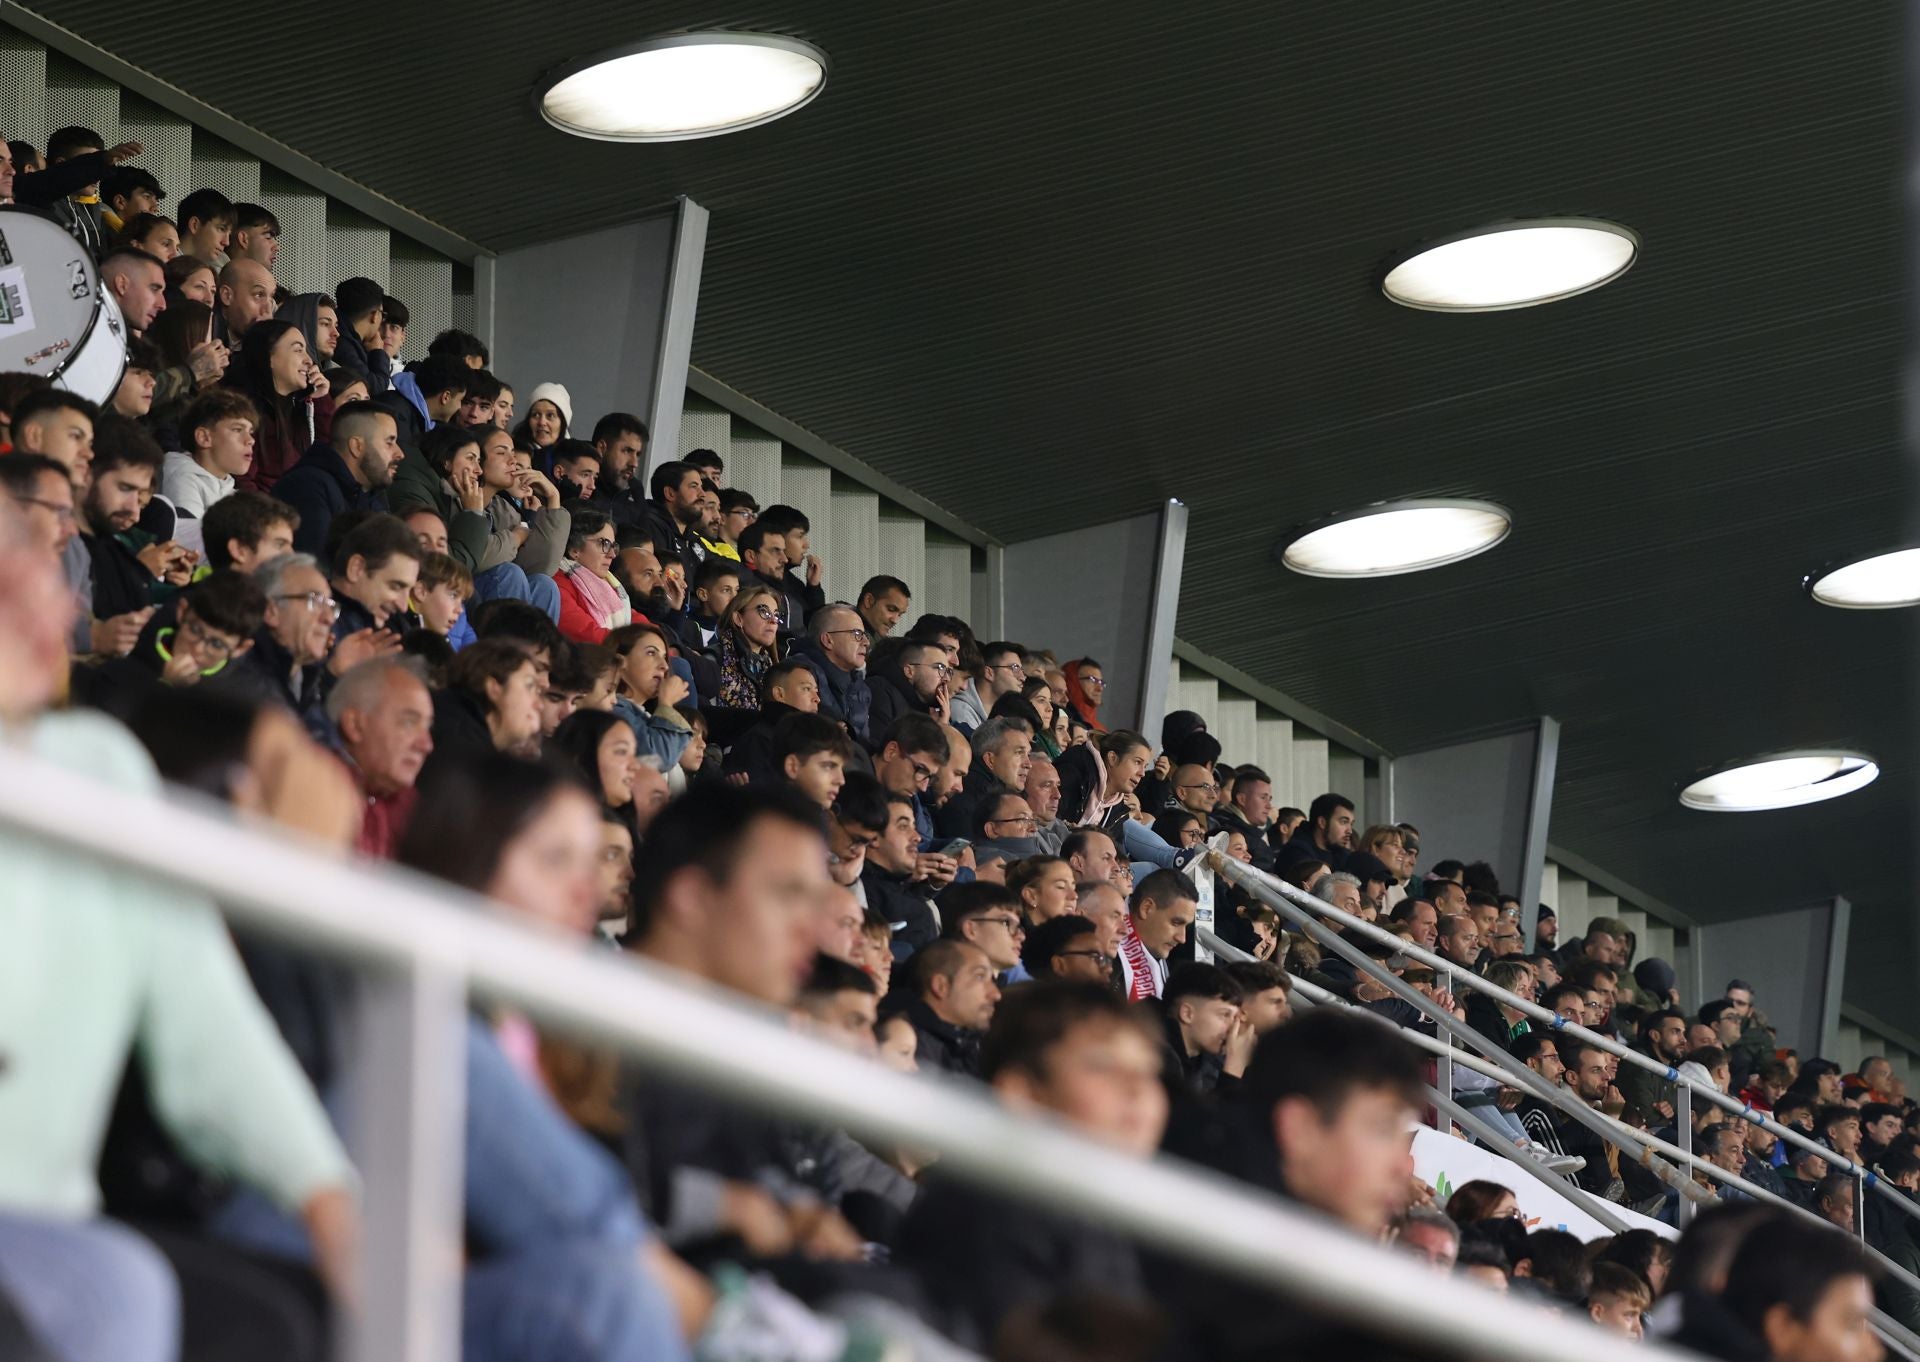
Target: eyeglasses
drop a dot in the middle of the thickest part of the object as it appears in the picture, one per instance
(859, 635)
(1205, 789)
(940, 667)
(604, 545)
(1093, 681)
(766, 612)
(1029, 822)
(316, 600)
(1017, 668)
(214, 645)
(61, 512)
(1100, 958)
(1012, 924)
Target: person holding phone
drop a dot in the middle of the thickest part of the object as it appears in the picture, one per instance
(276, 370)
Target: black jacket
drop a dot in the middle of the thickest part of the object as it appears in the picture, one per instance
(1302, 848)
(799, 600)
(459, 727)
(846, 696)
(1185, 1075)
(118, 685)
(1227, 818)
(891, 699)
(944, 1046)
(320, 487)
(669, 540)
(752, 752)
(266, 674)
(955, 818)
(375, 365)
(408, 423)
(910, 915)
(121, 582)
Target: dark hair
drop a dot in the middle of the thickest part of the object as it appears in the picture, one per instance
(489, 659)
(197, 735)
(830, 976)
(229, 602)
(248, 215)
(462, 345)
(441, 444)
(20, 474)
(241, 515)
(205, 206)
(1559, 1264)
(1653, 1020)
(144, 355)
(481, 385)
(960, 902)
(577, 743)
(913, 733)
(587, 523)
(1474, 1201)
(1197, 980)
(668, 474)
(1030, 1021)
(779, 674)
(617, 423)
(1711, 1013)
(708, 461)
(442, 374)
(805, 735)
(1479, 877)
(506, 618)
(1300, 871)
(65, 143)
(735, 499)
(1165, 886)
(879, 586)
(1877, 1111)
(356, 298)
(214, 406)
(704, 829)
(714, 569)
(1325, 1055)
(862, 802)
(472, 805)
(1612, 1280)
(754, 538)
(1329, 804)
(119, 442)
(1476, 1251)
(1051, 938)
(1257, 976)
(376, 540)
(783, 519)
(1637, 1251)
(16, 387)
(1785, 1261)
(1121, 741)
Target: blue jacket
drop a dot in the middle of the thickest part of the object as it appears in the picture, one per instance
(845, 696)
(319, 487)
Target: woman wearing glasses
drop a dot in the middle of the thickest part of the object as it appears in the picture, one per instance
(748, 646)
(592, 601)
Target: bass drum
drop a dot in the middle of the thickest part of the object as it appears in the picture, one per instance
(55, 318)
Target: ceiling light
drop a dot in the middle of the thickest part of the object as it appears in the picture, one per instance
(1881, 582)
(1395, 536)
(1514, 264)
(1781, 782)
(684, 86)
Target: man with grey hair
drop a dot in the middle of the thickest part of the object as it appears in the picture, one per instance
(1342, 891)
(1003, 752)
(835, 651)
(1431, 1237)
(382, 717)
(293, 661)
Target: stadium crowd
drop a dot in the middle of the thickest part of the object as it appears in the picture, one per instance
(372, 592)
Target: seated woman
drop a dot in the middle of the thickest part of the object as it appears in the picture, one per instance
(602, 747)
(648, 691)
(592, 601)
(747, 646)
(491, 703)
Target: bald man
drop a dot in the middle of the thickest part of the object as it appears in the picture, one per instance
(138, 283)
(245, 296)
(1194, 787)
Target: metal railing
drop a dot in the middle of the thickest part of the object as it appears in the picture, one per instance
(426, 947)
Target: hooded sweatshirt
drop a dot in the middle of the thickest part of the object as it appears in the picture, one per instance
(190, 487)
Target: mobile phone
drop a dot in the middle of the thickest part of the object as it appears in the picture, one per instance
(955, 847)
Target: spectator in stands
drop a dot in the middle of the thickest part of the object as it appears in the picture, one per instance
(1459, 941)
(491, 703)
(476, 406)
(358, 302)
(811, 753)
(125, 962)
(549, 416)
(1327, 833)
(1073, 1050)
(1086, 685)
(1205, 1036)
(1586, 1075)
(218, 433)
(672, 515)
(893, 876)
(910, 681)
(1098, 791)
(1248, 813)
(138, 283)
(1158, 917)
(158, 236)
(747, 646)
(592, 601)
(189, 640)
(1801, 1294)
(953, 1003)
(126, 579)
(206, 224)
(1044, 885)
(426, 398)
(374, 571)
(620, 442)
(1043, 797)
(797, 578)
(40, 489)
(787, 689)
(443, 478)
(835, 651)
(1092, 855)
(856, 821)
(349, 471)
(1003, 752)
(987, 916)
(602, 749)
(128, 192)
(1001, 673)
(1421, 920)
(285, 665)
(243, 299)
(440, 597)
(1067, 948)
(256, 235)
(247, 529)
(576, 469)
(290, 392)
(382, 714)
(1649, 1097)
(881, 603)
(649, 691)
(69, 187)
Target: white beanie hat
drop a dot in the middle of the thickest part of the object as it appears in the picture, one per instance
(557, 394)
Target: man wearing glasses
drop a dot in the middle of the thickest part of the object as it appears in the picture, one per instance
(835, 651)
(987, 916)
(911, 684)
(1003, 674)
(1196, 791)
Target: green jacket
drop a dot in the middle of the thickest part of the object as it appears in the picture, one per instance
(416, 484)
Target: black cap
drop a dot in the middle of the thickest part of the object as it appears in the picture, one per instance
(1365, 866)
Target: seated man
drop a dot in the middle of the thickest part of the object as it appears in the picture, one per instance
(1157, 921)
(787, 689)
(1266, 991)
(987, 916)
(1205, 1037)
(189, 641)
(1077, 1051)
(218, 434)
(1065, 948)
(382, 717)
(888, 881)
(127, 579)
(374, 572)
(246, 529)
(293, 658)
(954, 1002)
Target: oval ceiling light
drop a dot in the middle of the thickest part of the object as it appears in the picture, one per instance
(683, 86)
(1513, 264)
(1784, 781)
(1395, 536)
(1882, 582)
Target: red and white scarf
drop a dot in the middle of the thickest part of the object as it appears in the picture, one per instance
(1142, 975)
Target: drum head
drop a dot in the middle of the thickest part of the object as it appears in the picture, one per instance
(49, 294)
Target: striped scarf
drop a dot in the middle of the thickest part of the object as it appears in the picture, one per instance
(1144, 975)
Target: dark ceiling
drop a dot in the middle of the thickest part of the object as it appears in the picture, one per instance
(1099, 255)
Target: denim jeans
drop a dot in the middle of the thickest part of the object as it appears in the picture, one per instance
(509, 581)
(1141, 843)
(91, 1290)
(556, 1230)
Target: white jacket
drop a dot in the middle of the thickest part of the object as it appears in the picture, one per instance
(190, 487)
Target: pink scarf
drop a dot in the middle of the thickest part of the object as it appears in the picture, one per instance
(605, 599)
(1142, 979)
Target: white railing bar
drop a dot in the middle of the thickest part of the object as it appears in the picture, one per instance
(384, 916)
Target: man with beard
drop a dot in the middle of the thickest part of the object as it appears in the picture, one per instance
(126, 465)
(620, 439)
(348, 472)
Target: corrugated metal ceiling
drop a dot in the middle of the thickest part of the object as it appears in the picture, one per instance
(1047, 262)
